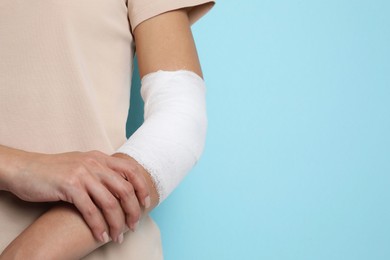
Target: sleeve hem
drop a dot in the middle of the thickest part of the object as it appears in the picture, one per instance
(196, 11)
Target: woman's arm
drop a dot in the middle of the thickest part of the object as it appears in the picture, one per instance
(60, 233)
(163, 43)
(88, 180)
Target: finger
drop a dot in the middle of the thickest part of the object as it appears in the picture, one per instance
(132, 173)
(124, 191)
(110, 208)
(92, 216)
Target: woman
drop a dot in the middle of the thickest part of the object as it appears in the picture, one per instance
(70, 183)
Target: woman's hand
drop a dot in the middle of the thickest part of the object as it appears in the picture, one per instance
(61, 233)
(108, 191)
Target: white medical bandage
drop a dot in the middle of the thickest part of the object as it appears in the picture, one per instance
(172, 137)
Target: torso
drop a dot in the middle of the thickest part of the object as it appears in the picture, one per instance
(65, 73)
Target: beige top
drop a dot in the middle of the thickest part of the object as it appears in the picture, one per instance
(65, 73)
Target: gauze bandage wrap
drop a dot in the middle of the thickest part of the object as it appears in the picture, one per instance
(172, 137)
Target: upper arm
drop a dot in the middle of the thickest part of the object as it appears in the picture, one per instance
(165, 42)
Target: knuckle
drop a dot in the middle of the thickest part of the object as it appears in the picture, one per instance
(73, 181)
(124, 187)
(110, 203)
(135, 216)
(96, 153)
(97, 227)
(124, 194)
(116, 226)
(90, 159)
(143, 193)
(75, 177)
(92, 152)
(79, 170)
(133, 168)
(94, 159)
(127, 191)
(131, 197)
(90, 211)
(142, 188)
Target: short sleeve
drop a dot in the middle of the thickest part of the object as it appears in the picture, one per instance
(141, 10)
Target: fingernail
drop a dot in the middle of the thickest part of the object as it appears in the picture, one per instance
(134, 226)
(147, 202)
(120, 238)
(105, 237)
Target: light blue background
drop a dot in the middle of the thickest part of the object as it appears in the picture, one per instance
(297, 162)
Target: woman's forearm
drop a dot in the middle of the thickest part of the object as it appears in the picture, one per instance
(11, 160)
(89, 180)
(53, 232)
(7, 162)
(3, 166)
(61, 233)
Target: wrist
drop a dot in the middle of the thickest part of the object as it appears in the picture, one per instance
(12, 162)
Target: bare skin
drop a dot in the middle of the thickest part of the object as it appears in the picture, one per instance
(62, 233)
(164, 42)
(91, 181)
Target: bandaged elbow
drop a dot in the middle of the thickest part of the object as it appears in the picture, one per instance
(171, 140)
